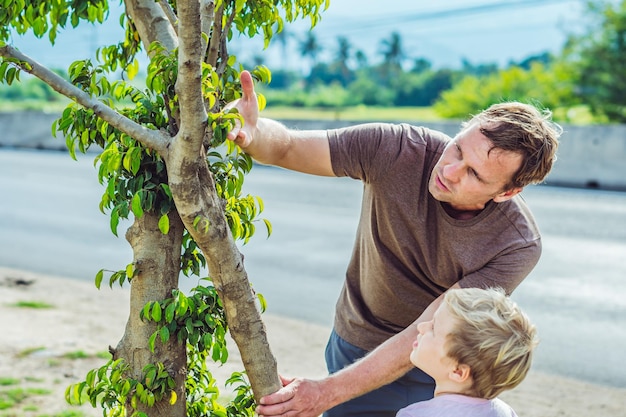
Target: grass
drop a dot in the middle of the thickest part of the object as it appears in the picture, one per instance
(30, 351)
(16, 396)
(356, 113)
(8, 381)
(79, 354)
(15, 400)
(32, 304)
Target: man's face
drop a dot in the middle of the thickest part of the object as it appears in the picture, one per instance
(470, 172)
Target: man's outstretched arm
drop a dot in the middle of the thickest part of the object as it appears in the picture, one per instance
(269, 142)
(310, 398)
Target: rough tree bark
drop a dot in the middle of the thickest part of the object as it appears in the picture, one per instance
(156, 258)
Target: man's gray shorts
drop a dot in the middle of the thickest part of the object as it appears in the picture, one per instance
(383, 402)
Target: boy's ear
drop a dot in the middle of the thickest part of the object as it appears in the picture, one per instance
(460, 374)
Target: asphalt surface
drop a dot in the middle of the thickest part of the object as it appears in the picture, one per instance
(50, 223)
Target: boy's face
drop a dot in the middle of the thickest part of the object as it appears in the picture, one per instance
(429, 349)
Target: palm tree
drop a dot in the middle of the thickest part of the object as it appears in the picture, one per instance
(392, 51)
(361, 59)
(343, 55)
(282, 38)
(310, 48)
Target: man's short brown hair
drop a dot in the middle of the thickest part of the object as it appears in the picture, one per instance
(523, 129)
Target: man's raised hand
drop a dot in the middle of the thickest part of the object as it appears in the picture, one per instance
(248, 108)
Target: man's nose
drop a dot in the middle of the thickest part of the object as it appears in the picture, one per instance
(452, 172)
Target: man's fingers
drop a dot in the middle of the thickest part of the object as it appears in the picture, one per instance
(247, 85)
(238, 136)
(285, 380)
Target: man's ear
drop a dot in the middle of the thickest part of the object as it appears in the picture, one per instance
(507, 195)
(460, 374)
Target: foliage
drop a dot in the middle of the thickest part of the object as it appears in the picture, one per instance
(136, 179)
(544, 86)
(30, 89)
(599, 58)
(197, 320)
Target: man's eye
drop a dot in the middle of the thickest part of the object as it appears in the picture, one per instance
(475, 174)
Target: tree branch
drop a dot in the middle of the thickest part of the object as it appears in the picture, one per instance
(152, 23)
(207, 16)
(223, 41)
(151, 138)
(216, 37)
(193, 116)
(171, 16)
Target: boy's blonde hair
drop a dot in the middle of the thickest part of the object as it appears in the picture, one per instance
(492, 336)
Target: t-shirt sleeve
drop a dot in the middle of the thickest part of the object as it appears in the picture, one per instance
(354, 149)
(506, 270)
(366, 151)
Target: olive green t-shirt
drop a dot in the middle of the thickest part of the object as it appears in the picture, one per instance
(408, 250)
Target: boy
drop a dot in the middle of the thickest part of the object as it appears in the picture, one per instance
(477, 345)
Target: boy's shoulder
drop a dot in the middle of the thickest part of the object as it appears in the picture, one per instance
(456, 404)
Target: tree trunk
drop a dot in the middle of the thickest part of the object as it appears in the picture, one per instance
(193, 186)
(157, 268)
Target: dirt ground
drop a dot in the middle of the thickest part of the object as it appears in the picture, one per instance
(38, 349)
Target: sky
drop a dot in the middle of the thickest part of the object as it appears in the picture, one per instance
(445, 32)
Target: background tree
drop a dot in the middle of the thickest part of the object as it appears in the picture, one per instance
(310, 48)
(342, 57)
(393, 55)
(165, 162)
(549, 87)
(599, 56)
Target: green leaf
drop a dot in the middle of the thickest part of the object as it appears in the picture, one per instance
(150, 377)
(132, 69)
(99, 277)
(268, 226)
(262, 302)
(164, 224)
(137, 209)
(262, 101)
(151, 343)
(115, 220)
(130, 270)
(145, 312)
(169, 312)
(165, 334)
(156, 312)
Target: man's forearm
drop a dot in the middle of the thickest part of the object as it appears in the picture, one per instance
(374, 370)
(270, 142)
(299, 150)
(380, 367)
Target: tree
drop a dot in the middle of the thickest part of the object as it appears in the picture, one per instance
(164, 161)
(393, 53)
(599, 55)
(310, 47)
(342, 57)
(549, 87)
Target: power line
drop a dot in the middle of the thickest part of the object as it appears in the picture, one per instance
(397, 18)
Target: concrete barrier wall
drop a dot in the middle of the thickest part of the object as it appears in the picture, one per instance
(588, 156)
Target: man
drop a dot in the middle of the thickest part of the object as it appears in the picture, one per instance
(437, 213)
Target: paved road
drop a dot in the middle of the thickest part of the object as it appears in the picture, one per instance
(50, 223)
